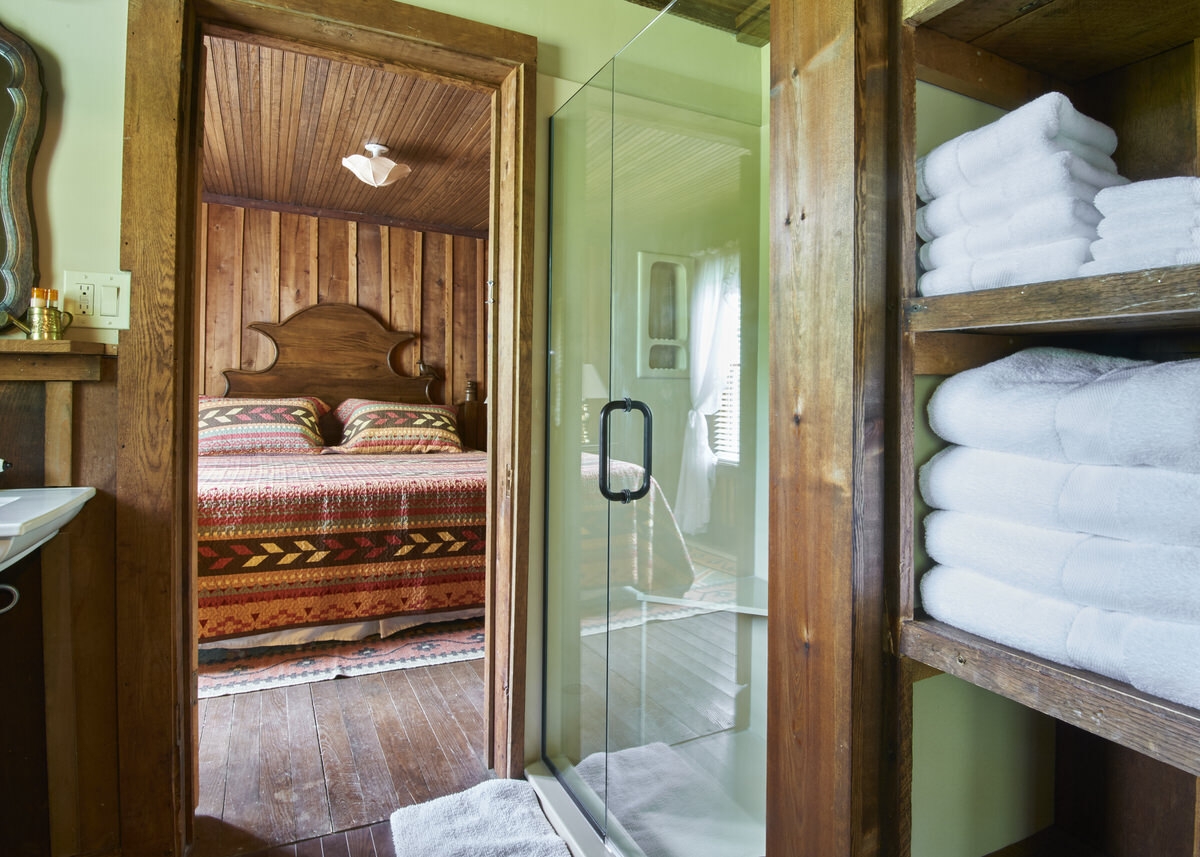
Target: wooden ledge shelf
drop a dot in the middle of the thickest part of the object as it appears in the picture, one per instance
(1062, 38)
(50, 360)
(1155, 299)
(1050, 842)
(1111, 709)
(50, 346)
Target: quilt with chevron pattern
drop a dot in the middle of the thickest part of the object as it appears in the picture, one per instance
(287, 541)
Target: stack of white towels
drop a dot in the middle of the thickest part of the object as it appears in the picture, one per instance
(1147, 224)
(1012, 202)
(1067, 518)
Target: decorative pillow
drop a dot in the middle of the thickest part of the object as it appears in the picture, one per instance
(230, 426)
(392, 427)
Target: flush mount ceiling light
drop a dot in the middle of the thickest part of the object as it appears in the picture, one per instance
(375, 170)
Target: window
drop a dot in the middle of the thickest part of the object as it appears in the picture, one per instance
(725, 425)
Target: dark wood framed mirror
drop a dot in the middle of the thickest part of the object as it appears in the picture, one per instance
(21, 130)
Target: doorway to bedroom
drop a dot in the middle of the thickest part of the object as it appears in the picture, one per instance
(286, 751)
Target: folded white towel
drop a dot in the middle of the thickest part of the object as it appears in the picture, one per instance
(1045, 125)
(1165, 240)
(1150, 223)
(1156, 580)
(1156, 656)
(1069, 405)
(1057, 261)
(1151, 195)
(1011, 404)
(1018, 185)
(1043, 221)
(669, 805)
(1153, 580)
(1145, 504)
(1095, 642)
(1030, 558)
(497, 818)
(1004, 614)
(1144, 414)
(1013, 487)
(1138, 260)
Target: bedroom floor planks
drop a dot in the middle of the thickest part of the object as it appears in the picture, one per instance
(316, 770)
(353, 750)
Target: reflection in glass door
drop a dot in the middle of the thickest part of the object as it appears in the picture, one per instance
(655, 637)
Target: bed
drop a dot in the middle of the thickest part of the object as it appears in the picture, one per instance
(334, 497)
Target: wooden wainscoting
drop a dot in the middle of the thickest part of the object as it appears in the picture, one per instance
(262, 265)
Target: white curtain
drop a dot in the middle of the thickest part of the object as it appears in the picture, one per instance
(709, 356)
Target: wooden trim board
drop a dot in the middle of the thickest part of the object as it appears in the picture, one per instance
(157, 378)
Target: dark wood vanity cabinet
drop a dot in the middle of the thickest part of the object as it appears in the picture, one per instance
(58, 765)
(24, 787)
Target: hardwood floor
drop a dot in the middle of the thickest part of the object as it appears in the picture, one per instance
(671, 681)
(316, 770)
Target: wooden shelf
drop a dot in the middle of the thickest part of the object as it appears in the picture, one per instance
(50, 360)
(50, 346)
(1067, 39)
(1048, 842)
(1155, 299)
(1134, 68)
(1111, 709)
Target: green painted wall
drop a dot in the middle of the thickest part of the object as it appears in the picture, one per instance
(77, 169)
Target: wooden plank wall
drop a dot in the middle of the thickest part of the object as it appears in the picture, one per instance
(261, 265)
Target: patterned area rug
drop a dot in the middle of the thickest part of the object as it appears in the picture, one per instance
(707, 559)
(226, 671)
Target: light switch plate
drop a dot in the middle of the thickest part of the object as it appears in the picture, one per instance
(97, 300)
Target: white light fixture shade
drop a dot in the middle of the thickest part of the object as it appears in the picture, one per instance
(376, 170)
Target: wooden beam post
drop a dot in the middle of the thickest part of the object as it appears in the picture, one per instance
(831, 111)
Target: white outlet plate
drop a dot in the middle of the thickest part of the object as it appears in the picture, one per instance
(97, 300)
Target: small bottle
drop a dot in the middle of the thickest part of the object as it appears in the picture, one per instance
(37, 297)
(52, 299)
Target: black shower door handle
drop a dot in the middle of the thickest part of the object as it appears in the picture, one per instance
(626, 405)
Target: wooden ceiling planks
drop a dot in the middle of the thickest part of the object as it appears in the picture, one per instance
(748, 20)
(278, 123)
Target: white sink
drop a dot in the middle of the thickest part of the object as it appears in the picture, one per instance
(29, 517)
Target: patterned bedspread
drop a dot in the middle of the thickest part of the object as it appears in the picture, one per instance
(291, 541)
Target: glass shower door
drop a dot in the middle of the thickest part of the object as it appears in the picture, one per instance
(655, 693)
(575, 657)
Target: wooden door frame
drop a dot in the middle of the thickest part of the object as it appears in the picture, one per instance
(156, 382)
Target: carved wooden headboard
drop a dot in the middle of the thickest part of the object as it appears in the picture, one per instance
(333, 351)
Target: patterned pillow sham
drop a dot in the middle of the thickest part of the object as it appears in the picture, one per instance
(237, 426)
(375, 427)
